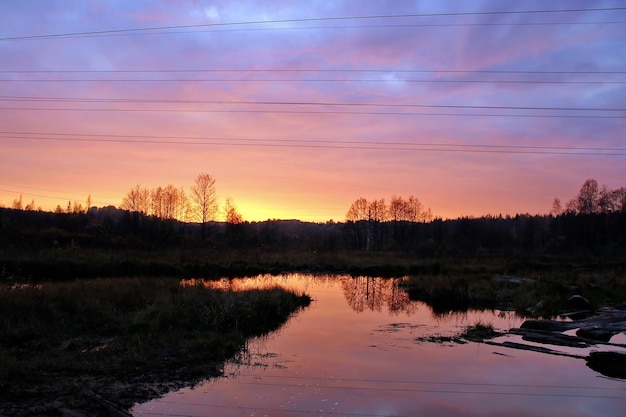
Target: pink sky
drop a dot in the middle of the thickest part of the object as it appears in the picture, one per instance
(282, 139)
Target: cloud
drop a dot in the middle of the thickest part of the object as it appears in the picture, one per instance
(338, 152)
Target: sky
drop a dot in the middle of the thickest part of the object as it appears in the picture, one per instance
(297, 109)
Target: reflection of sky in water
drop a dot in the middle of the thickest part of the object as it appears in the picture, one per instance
(354, 352)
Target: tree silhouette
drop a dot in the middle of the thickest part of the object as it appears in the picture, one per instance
(231, 214)
(588, 198)
(18, 203)
(205, 198)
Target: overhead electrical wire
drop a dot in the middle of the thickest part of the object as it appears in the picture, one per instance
(361, 70)
(312, 80)
(294, 103)
(334, 113)
(282, 28)
(314, 19)
(314, 143)
(48, 196)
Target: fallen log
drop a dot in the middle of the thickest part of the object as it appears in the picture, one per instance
(549, 325)
(551, 338)
(539, 349)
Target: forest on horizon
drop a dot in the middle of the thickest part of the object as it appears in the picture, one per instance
(594, 221)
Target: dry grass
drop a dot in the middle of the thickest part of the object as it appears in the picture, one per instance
(137, 329)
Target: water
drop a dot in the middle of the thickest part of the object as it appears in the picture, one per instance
(359, 351)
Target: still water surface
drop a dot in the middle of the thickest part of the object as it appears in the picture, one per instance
(358, 351)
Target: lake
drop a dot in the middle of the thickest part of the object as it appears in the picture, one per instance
(362, 348)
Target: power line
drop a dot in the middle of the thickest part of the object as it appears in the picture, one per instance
(311, 80)
(352, 113)
(283, 28)
(47, 196)
(293, 103)
(319, 19)
(257, 70)
(330, 144)
(44, 189)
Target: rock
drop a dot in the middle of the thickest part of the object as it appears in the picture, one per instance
(595, 333)
(547, 325)
(507, 279)
(578, 302)
(611, 364)
(536, 308)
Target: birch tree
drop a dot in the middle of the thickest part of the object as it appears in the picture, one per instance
(205, 199)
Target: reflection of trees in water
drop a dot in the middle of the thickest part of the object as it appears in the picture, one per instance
(373, 293)
(362, 293)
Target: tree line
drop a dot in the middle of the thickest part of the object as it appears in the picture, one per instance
(75, 207)
(403, 224)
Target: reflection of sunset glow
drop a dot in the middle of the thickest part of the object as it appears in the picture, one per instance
(334, 359)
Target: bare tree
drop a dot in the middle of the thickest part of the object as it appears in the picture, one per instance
(137, 199)
(557, 210)
(171, 201)
(414, 210)
(377, 210)
(377, 215)
(30, 206)
(205, 198)
(231, 214)
(18, 203)
(398, 209)
(358, 211)
(184, 206)
(77, 207)
(619, 199)
(156, 197)
(588, 198)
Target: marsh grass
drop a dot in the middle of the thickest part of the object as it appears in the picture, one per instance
(138, 329)
(48, 263)
(546, 297)
(480, 331)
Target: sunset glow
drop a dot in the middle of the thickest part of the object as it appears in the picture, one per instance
(297, 109)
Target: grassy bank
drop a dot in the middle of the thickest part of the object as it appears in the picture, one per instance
(539, 293)
(65, 263)
(77, 263)
(125, 339)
